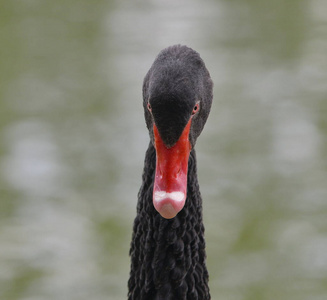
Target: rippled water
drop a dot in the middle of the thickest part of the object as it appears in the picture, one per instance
(73, 139)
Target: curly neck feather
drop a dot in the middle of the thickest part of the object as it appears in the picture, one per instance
(168, 256)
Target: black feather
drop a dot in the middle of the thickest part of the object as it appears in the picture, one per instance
(168, 255)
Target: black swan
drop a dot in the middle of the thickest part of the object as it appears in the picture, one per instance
(168, 248)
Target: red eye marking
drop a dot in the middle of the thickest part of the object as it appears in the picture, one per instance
(195, 109)
(149, 107)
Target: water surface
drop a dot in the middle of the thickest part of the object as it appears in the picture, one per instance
(73, 138)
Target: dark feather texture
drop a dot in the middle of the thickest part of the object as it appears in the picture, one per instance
(168, 256)
(176, 81)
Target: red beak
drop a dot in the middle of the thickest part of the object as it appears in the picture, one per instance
(170, 184)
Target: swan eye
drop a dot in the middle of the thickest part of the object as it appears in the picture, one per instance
(149, 107)
(195, 109)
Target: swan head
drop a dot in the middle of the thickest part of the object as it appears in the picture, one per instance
(177, 97)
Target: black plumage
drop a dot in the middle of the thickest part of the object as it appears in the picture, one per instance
(168, 255)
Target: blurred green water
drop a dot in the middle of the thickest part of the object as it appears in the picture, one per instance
(73, 138)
